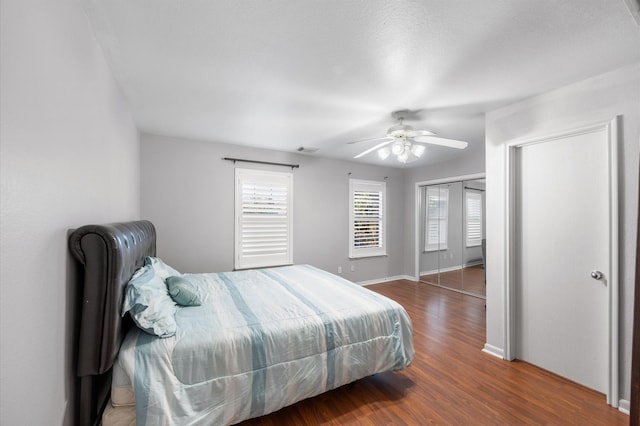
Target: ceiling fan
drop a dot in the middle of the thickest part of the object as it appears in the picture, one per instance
(404, 142)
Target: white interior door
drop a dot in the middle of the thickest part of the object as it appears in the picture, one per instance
(563, 226)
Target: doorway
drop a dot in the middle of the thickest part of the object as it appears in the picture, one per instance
(562, 281)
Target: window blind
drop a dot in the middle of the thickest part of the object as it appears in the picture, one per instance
(263, 218)
(367, 218)
(473, 205)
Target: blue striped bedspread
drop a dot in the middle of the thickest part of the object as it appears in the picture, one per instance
(265, 339)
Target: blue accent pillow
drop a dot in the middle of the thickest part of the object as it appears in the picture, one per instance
(148, 302)
(186, 290)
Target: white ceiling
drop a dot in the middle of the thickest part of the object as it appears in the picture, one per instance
(281, 74)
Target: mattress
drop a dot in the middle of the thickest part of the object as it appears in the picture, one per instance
(265, 339)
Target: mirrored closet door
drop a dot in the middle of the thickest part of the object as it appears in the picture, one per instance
(452, 235)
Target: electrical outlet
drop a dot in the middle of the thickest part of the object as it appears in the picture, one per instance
(353, 268)
(339, 269)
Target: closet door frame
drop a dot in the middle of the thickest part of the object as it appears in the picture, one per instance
(418, 206)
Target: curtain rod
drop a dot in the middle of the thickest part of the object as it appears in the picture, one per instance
(475, 189)
(293, 166)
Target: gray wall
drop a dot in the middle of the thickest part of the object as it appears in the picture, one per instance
(591, 101)
(69, 155)
(188, 192)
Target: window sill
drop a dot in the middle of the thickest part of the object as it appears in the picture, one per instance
(364, 256)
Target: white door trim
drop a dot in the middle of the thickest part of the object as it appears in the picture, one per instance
(611, 127)
(417, 211)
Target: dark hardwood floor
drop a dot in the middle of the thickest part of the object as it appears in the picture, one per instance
(451, 381)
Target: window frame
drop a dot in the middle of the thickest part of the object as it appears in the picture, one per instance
(264, 177)
(442, 221)
(379, 187)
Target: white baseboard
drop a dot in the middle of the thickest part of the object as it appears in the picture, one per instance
(624, 406)
(493, 350)
(386, 279)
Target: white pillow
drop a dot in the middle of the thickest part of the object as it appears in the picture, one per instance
(149, 303)
(160, 268)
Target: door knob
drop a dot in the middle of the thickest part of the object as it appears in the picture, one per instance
(596, 275)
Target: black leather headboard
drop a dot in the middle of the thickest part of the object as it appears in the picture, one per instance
(110, 255)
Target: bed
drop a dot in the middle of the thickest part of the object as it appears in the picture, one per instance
(258, 340)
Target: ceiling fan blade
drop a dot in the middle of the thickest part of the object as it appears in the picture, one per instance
(418, 133)
(380, 145)
(370, 140)
(434, 140)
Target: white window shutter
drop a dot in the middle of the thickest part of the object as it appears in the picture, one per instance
(473, 206)
(263, 230)
(367, 218)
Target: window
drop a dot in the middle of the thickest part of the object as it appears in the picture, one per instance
(263, 218)
(437, 220)
(473, 217)
(367, 218)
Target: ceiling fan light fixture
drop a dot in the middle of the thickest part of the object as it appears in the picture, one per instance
(403, 157)
(383, 153)
(407, 157)
(417, 150)
(397, 147)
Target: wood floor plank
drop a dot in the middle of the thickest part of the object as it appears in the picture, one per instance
(451, 381)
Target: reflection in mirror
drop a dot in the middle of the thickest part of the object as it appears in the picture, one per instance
(452, 236)
(474, 236)
(434, 202)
